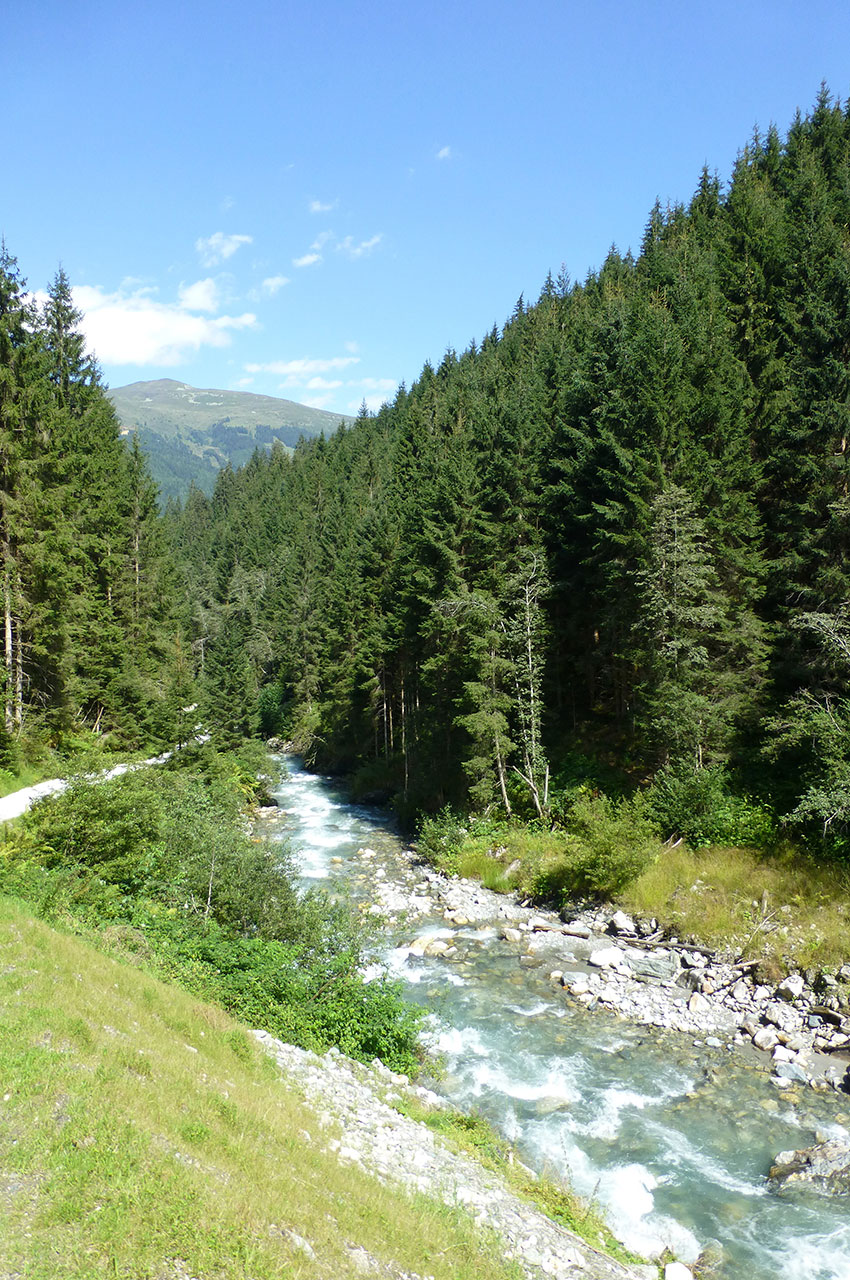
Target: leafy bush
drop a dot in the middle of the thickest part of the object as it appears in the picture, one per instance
(440, 839)
(157, 865)
(611, 843)
(701, 807)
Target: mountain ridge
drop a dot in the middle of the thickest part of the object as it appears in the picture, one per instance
(191, 433)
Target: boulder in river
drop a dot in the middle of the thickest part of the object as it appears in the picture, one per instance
(825, 1166)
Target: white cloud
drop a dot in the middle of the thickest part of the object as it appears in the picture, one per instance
(273, 284)
(218, 247)
(307, 260)
(200, 296)
(374, 384)
(133, 328)
(352, 347)
(355, 250)
(371, 402)
(244, 382)
(299, 371)
(316, 206)
(318, 402)
(323, 384)
(445, 153)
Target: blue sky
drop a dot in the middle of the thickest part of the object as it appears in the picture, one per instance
(310, 201)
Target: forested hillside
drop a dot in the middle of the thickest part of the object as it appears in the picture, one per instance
(618, 526)
(606, 543)
(89, 637)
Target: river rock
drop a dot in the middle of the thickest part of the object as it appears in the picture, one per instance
(677, 1271)
(766, 1038)
(790, 1071)
(663, 965)
(825, 1166)
(608, 958)
(621, 923)
(575, 929)
(792, 987)
(782, 1016)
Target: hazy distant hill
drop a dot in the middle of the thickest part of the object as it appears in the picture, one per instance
(189, 434)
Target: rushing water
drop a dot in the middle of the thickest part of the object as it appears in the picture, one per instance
(673, 1140)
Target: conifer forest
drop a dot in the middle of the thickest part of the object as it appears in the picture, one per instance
(608, 540)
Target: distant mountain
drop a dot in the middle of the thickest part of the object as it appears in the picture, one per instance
(190, 435)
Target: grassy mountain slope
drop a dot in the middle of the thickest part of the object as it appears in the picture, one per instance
(144, 1134)
(190, 434)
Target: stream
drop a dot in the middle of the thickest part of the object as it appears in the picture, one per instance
(670, 1137)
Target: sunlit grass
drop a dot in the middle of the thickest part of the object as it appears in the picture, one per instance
(147, 1135)
(26, 776)
(778, 907)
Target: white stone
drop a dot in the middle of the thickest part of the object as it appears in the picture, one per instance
(765, 1038)
(791, 987)
(607, 958)
(677, 1271)
(575, 929)
(621, 923)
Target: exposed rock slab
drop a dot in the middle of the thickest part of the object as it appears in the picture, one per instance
(825, 1166)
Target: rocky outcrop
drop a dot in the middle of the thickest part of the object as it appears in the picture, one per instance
(825, 1166)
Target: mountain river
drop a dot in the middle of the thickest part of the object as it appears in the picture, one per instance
(671, 1137)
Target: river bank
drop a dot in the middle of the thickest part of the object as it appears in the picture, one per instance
(670, 1131)
(606, 961)
(358, 1109)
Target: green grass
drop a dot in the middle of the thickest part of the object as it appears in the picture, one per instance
(144, 1134)
(26, 776)
(776, 906)
(780, 907)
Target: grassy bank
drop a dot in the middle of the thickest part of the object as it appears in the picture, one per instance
(145, 1135)
(775, 905)
(475, 1136)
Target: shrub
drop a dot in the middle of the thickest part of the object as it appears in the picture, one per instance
(157, 865)
(701, 807)
(614, 843)
(440, 839)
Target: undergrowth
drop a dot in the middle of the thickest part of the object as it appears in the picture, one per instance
(156, 866)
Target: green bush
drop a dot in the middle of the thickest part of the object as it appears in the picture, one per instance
(611, 843)
(701, 806)
(440, 839)
(156, 865)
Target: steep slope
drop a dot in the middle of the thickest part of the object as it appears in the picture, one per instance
(146, 1133)
(191, 434)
